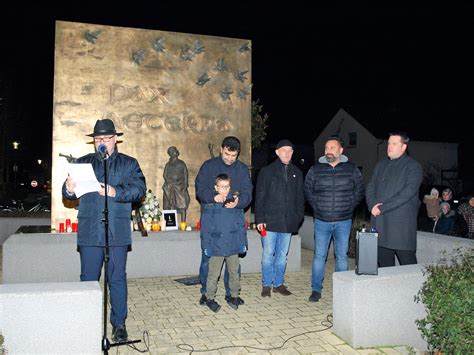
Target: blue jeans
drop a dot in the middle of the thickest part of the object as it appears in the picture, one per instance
(323, 232)
(92, 259)
(204, 271)
(275, 248)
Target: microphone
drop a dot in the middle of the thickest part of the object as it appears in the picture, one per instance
(102, 149)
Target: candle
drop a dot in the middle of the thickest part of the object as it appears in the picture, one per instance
(68, 226)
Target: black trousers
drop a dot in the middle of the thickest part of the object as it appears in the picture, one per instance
(386, 257)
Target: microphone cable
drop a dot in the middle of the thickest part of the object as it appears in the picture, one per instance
(188, 347)
(146, 341)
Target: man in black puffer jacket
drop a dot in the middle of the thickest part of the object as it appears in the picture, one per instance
(333, 188)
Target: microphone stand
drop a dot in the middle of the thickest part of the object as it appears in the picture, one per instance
(105, 342)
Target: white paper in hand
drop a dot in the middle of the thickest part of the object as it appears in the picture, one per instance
(84, 177)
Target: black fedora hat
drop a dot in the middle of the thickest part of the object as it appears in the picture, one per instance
(103, 128)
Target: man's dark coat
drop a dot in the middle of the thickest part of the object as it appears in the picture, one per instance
(395, 183)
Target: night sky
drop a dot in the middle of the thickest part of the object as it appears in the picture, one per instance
(405, 69)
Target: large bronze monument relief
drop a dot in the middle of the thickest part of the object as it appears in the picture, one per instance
(161, 89)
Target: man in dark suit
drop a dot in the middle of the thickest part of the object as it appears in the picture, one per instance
(125, 185)
(392, 199)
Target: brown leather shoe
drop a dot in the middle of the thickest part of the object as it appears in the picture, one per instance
(282, 290)
(266, 291)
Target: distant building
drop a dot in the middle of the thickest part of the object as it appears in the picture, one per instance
(439, 159)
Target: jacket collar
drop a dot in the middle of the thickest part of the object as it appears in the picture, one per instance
(111, 157)
(451, 213)
(401, 157)
(278, 162)
(323, 160)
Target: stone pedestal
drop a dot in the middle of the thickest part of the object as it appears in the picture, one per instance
(53, 257)
(47, 318)
(379, 310)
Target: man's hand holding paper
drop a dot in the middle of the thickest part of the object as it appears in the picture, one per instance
(82, 179)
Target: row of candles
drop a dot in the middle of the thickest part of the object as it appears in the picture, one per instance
(184, 227)
(67, 227)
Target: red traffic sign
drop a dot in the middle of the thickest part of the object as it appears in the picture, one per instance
(34, 183)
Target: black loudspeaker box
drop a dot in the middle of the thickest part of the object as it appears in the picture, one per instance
(366, 253)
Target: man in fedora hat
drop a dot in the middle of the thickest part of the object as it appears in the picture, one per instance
(125, 185)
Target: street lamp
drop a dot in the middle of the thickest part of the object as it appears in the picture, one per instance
(15, 171)
(15, 145)
(39, 161)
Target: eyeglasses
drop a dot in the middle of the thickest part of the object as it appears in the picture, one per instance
(223, 187)
(103, 139)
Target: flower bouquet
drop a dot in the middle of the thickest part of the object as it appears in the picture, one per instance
(150, 210)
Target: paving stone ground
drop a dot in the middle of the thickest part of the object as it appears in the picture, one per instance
(169, 312)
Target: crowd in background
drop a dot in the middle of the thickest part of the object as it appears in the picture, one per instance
(445, 216)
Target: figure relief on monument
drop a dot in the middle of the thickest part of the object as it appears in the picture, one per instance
(175, 186)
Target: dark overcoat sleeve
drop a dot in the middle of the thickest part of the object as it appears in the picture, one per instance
(260, 193)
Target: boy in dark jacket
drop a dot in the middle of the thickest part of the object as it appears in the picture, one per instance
(223, 237)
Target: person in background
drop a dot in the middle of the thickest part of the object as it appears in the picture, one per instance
(227, 163)
(392, 198)
(461, 229)
(279, 209)
(446, 221)
(447, 196)
(125, 185)
(333, 187)
(432, 202)
(466, 210)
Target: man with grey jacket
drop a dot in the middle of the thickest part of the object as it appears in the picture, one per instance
(333, 187)
(392, 199)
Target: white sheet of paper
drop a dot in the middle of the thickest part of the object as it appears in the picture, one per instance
(84, 177)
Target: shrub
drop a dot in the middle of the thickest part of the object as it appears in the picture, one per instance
(448, 296)
(259, 124)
